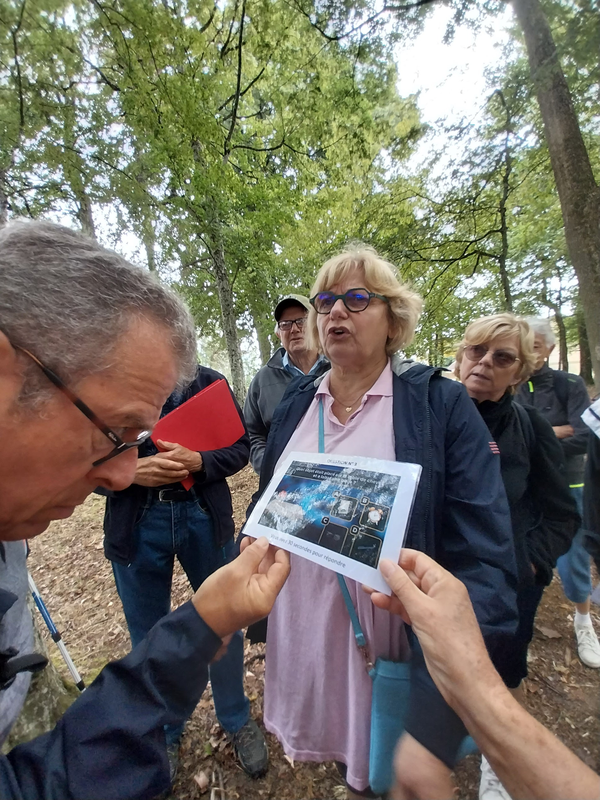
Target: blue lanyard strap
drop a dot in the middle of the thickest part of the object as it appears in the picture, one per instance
(358, 633)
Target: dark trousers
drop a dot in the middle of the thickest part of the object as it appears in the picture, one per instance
(183, 530)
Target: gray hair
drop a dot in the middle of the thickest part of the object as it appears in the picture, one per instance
(69, 301)
(542, 327)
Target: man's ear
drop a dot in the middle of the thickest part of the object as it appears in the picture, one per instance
(11, 376)
(277, 334)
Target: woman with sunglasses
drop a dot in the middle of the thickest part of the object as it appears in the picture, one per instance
(495, 356)
(376, 404)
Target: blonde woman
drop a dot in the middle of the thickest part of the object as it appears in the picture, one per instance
(495, 356)
(317, 690)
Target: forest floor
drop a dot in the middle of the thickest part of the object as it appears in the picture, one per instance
(76, 582)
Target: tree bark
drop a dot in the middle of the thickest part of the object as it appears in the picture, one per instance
(264, 344)
(3, 199)
(585, 358)
(577, 190)
(228, 316)
(149, 239)
(84, 212)
(563, 350)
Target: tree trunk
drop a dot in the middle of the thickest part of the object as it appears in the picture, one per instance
(84, 213)
(563, 351)
(149, 239)
(585, 358)
(228, 316)
(577, 190)
(264, 343)
(3, 199)
(507, 158)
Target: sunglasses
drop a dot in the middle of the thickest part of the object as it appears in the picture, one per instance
(287, 324)
(500, 358)
(354, 299)
(120, 446)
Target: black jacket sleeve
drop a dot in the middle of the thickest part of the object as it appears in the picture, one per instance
(559, 520)
(110, 744)
(579, 400)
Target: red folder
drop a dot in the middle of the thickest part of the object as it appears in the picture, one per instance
(207, 421)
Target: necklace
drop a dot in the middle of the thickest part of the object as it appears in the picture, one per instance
(349, 408)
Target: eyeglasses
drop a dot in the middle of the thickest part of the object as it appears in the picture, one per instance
(354, 299)
(501, 358)
(287, 324)
(120, 445)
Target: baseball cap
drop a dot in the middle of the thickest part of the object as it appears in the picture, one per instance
(291, 300)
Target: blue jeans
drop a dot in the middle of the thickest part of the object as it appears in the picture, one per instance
(185, 530)
(574, 566)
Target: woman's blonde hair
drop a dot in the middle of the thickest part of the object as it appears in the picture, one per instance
(404, 307)
(504, 325)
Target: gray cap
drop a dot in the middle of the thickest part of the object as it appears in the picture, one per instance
(291, 300)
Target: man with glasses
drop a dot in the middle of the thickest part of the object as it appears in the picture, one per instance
(292, 360)
(155, 521)
(90, 349)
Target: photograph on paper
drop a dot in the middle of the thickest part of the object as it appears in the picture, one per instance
(343, 512)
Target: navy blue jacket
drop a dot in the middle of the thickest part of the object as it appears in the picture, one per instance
(210, 486)
(460, 516)
(110, 744)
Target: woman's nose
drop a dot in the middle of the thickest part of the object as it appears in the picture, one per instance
(338, 308)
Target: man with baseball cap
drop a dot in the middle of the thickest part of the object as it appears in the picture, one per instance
(292, 360)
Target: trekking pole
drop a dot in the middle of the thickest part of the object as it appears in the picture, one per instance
(55, 634)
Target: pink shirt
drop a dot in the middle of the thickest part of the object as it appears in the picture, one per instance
(317, 690)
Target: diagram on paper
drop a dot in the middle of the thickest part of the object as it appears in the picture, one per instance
(343, 509)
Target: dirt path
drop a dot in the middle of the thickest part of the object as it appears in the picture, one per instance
(76, 582)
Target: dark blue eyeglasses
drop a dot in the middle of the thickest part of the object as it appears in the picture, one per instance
(354, 299)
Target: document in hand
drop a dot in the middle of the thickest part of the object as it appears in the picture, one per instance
(591, 417)
(207, 421)
(343, 512)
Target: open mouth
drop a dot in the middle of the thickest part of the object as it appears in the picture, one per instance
(338, 332)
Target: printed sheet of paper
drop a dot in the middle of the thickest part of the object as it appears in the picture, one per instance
(591, 417)
(343, 512)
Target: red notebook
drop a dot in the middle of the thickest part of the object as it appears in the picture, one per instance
(207, 421)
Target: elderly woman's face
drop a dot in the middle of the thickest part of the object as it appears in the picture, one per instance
(487, 376)
(542, 350)
(354, 340)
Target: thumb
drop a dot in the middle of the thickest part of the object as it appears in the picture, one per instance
(400, 584)
(166, 445)
(253, 554)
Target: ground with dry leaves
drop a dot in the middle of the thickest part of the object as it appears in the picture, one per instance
(76, 581)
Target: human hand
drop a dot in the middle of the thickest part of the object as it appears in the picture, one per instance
(243, 591)
(563, 431)
(190, 459)
(419, 774)
(158, 470)
(438, 607)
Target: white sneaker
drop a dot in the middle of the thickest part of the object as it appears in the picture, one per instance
(588, 646)
(490, 787)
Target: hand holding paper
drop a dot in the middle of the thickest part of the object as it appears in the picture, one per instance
(243, 591)
(207, 421)
(189, 459)
(342, 512)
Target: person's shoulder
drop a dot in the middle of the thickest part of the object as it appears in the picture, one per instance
(206, 375)
(541, 427)
(569, 378)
